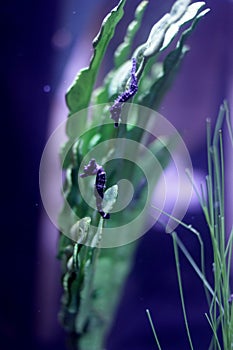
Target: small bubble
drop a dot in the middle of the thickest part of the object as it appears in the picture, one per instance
(74, 12)
(62, 38)
(47, 88)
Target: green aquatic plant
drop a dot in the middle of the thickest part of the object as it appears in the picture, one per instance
(212, 201)
(93, 277)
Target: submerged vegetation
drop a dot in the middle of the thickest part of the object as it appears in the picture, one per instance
(93, 272)
(212, 200)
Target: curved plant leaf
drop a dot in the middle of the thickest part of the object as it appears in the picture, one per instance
(154, 94)
(163, 32)
(122, 53)
(78, 96)
(110, 196)
(189, 15)
(79, 231)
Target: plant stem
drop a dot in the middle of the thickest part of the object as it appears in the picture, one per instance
(174, 236)
(153, 329)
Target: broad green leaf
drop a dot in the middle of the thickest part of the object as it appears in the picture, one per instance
(78, 96)
(112, 268)
(156, 36)
(116, 79)
(119, 79)
(188, 31)
(66, 156)
(72, 283)
(178, 9)
(100, 95)
(163, 32)
(86, 294)
(191, 12)
(79, 231)
(170, 66)
(66, 219)
(202, 13)
(97, 235)
(152, 97)
(189, 15)
(110, 196)
(122, 53)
